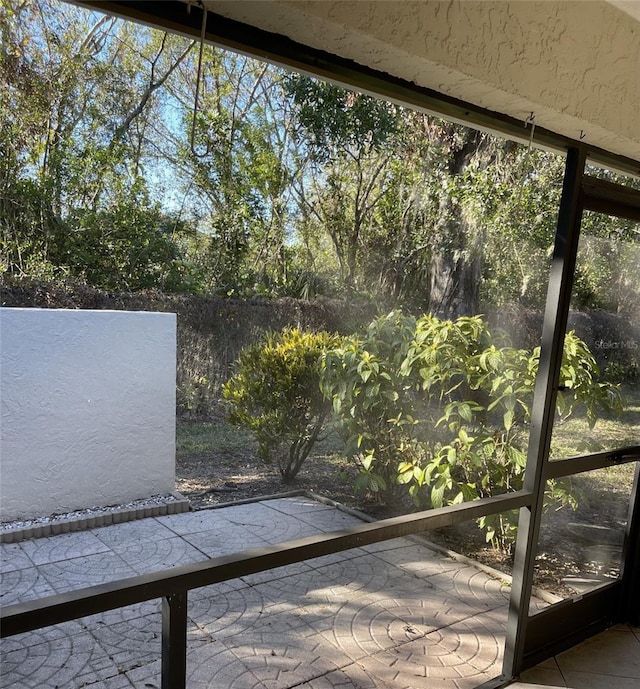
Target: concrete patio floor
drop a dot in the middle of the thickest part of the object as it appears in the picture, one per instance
(395, 615)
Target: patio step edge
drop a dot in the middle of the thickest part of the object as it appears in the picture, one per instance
(96, 517)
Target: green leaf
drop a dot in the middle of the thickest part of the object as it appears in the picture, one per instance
(465, 412)
(508, 419)
(367, 461)
(437, 495)
(518, 457)
(404, 477)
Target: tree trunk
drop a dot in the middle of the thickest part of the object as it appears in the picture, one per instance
(456, 268)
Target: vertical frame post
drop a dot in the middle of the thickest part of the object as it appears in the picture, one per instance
(630, 572)
(174, 641)
(544, 404)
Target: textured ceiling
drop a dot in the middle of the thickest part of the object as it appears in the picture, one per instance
(574, 65)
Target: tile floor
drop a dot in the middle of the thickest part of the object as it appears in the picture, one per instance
(610, 660)
(395, 615)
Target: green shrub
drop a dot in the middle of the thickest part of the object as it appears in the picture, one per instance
(371, 400)
(275, 393)
(442, 407)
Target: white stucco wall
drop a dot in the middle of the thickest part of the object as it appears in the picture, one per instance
(87, 409)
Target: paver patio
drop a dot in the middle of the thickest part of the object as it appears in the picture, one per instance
(382, 616)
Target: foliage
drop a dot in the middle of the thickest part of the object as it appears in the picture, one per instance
(350, 140)
(518, 196)
(371, 399)
(75, 196)
(338, 121)
(606, 275)
(240, 168)
(442, 407)
(104, 251)
(275, 393)
(278, 185)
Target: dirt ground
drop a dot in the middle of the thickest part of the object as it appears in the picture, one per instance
(209, 479)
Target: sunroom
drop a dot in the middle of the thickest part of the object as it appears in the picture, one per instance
(558, 76)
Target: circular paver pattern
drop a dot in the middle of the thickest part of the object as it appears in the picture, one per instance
(366, 628)
(69, 661)
(20, 585)
(222, 611)
(460, 656)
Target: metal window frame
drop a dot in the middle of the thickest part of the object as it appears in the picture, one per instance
(532, 638)
(544, 404)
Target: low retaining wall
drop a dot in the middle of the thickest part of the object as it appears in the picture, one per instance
(88, 409)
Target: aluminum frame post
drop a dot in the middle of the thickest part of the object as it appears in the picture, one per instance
(630, 571)
(544, 405)
(174, 641)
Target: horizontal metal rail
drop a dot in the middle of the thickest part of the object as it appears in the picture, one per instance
(50, 610)
(606, 197)
(559, 468)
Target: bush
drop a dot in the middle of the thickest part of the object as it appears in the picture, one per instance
(275, 393)
(371, 399)
(442, 408)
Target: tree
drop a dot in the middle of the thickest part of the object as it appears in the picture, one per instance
(278, 184)
(86, 87)
(519, 194)
(350, 139)
(103, 249)
(240, 167)
(411, 202)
